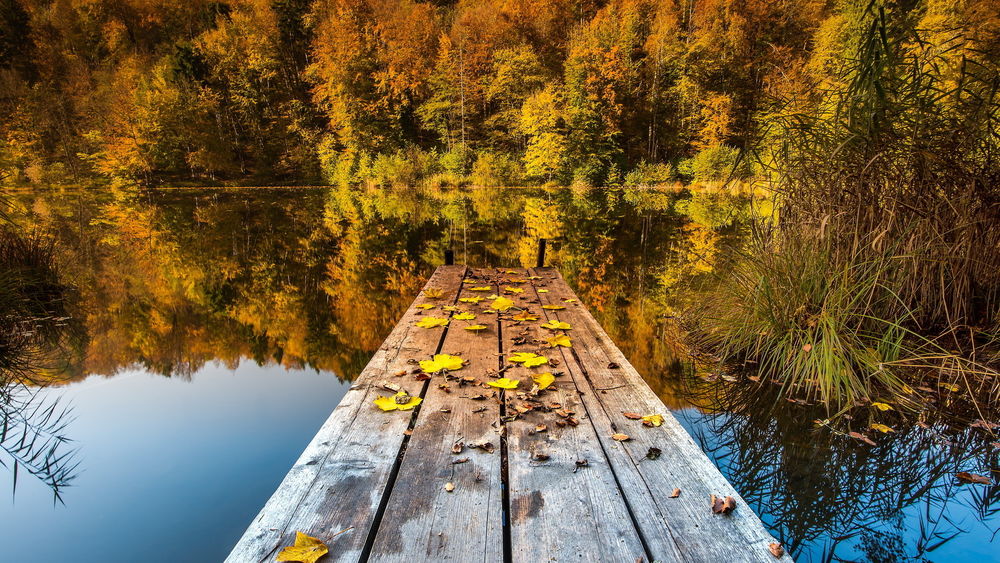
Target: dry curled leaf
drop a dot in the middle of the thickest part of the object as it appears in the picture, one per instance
(460, 460)
(307, 549)
(722, 506)
(632, 415)
(967, 477)
(457, 447)
(776, 550)
(653, 453)
(449, 486)
(862, 437)
(620, 437)
(485, 446)
(676, 493)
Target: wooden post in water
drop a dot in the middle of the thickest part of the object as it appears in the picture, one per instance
(540, 263)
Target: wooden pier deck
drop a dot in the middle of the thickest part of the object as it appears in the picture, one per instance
(482, 473)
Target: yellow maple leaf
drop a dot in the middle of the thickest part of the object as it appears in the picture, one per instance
(570, 300)
(471, 299)
(433, 293)
(543, 380)
(504, 383)
(529, 359)
(307, 549)
(476, 328)
(502, 304)
(392, 403)
(524, 316)
(556, 325)
(881, 428)
(426, 306)
(510, 289)
(449, 308)
(440, 362)
(543, 291)
(560, 340)
(653, 419)
(431, 322)
(882, 406)
(553, 307)
(480, 288)
(464, 316)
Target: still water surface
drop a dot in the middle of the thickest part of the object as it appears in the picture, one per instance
(216, 329)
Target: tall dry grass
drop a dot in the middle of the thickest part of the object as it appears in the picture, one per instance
(882, 266)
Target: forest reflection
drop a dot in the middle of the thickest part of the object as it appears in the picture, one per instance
(316, 278)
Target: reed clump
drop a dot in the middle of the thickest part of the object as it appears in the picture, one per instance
(882, 266)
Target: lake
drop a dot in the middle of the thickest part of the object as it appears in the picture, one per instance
(214, 330)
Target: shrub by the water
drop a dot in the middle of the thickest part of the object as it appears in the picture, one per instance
(883, 262)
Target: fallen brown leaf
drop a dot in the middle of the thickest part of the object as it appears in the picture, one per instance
(676, 493)
(632, 415)
(966, 477)
(776, 550)
(620, 437)
(449, 486)
(485, 446)
(862, 437)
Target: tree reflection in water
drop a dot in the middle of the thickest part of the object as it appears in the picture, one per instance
(832, 497)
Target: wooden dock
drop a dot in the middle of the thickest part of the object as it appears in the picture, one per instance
(482, 473)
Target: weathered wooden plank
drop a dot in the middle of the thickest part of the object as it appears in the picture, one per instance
(686, 524)
(424, 521)
(559, 512)
(339, 480)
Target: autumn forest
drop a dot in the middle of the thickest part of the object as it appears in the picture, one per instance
(386, 92)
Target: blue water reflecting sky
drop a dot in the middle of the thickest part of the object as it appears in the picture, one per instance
(171, 469)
